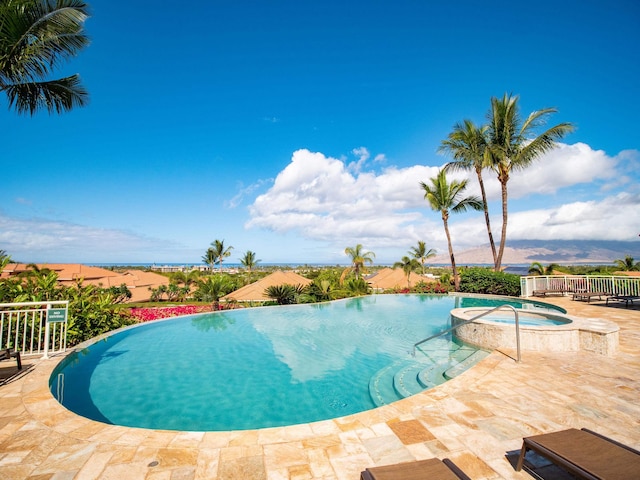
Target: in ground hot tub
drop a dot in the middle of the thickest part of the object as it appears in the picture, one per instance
(539, 331)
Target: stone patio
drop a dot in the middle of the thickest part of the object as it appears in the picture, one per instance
(475, 420)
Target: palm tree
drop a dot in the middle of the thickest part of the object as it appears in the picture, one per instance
(628, 264)
(249, 261)
(212, 288)
(358, 259)
(513, 145)
(5, 259)
(536, 268)
(284, 294)
(187, 279)
(35, 37)
(210, 258)
(421, 253)
(216, 253)
(467, 144)
(445, 197)
(407, 265)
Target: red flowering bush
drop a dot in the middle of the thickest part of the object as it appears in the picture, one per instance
(144, 314)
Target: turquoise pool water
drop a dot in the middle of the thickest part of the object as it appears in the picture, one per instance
(251, 368)
(526, 320)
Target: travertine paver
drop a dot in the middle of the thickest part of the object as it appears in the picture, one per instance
(474, 419)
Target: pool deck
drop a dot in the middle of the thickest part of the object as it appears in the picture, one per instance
(475, 420)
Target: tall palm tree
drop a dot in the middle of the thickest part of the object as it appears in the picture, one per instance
(249, 261)
(218, 252)
(513, 145)
(467, 144)
(445, 197)
(421, 253)
(35, 37)
(358, 259)
(210, 258)
(407, 265)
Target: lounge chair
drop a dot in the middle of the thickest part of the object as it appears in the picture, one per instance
(626, 299)
(550, 291)
(433, 468)
(7, 353)
(585, 454)
(586, 295)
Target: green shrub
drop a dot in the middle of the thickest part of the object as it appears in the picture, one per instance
(483, 280)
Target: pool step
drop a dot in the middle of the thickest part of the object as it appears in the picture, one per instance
(409, 376)
(465, 364)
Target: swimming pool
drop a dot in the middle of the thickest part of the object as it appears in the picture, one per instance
(257, 367)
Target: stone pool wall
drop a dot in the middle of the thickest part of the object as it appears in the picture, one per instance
(588, 334)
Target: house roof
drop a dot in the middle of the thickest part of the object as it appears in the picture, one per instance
(254, 292)
(395, 278)
(137, 281)
(67, 272)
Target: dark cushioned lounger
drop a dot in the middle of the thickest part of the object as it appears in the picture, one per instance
(585, 454)
(433, 468)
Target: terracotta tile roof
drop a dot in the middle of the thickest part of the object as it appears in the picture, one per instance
(137, 281)
(254, 292)
(395, 278)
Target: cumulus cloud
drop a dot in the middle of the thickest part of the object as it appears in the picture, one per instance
(324, 198)
(565, 166)
(613, 218)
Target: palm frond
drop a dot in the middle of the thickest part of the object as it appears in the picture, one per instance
(54, 96)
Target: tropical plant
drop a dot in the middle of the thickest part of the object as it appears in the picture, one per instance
(627, 264)
(445, 197)
(536, 268)
(158, 292)
(212, 288)
(5, 260)
(284, 294)
(407, 265)
(358, 259)
(249, 262)
(216, 253)
(513, 145)
(483, 280)
(467, 144)
(421, 253)
(210, 258)
(120, 294)
(36, 36)
(318, 291)
(91, 309)
(356, 287)
(184, 278)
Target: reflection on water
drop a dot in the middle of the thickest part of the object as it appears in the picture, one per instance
(217, 322)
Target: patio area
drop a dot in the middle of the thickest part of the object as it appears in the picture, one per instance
(475, 420)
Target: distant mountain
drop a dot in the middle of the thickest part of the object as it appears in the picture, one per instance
(549, 251)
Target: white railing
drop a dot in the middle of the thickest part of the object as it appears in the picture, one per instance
(614, 285)
(34, 327)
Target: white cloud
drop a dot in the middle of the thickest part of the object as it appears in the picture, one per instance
(321, 198)
(614, 218)
(565, 166)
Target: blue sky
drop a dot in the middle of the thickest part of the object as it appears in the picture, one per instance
(295, 129)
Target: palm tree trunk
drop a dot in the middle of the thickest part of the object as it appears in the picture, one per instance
(456, 280)
(486, 219)
(503, 235)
